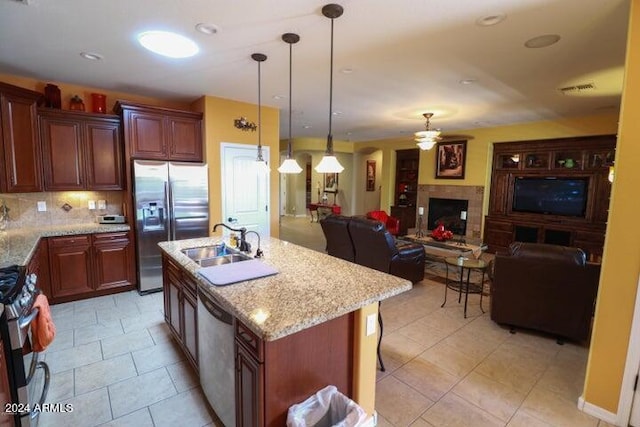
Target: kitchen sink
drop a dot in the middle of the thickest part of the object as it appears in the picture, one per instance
(206, 252)
(223, 259)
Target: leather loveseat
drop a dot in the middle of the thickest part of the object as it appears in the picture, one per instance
(367, 242)
(544, 287)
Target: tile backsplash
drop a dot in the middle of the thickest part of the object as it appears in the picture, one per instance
(23, 207)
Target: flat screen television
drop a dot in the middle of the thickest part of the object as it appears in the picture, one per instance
(551, 195)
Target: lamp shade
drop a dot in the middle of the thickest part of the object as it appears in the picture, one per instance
(426, 144)
(329, 164)
(289, 166)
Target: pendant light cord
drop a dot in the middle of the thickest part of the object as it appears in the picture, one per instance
(289, 150)
(259, 116)
(330, 136)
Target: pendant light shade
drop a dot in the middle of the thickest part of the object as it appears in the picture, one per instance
(329, 163)
(427, 138)
(290, 165)
(260, 162)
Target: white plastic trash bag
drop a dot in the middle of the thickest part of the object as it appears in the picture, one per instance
(327, 408)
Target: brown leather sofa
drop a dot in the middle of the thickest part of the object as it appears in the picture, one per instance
(367, 242)
(548, 288)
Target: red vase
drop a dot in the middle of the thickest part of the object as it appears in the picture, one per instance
(99, 103)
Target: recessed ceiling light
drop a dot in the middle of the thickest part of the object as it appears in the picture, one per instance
(208, 29)
(346, 70)
(92, 56)
(542, 41)
(307, 127)
(168, 44)
(467, 81)
(487, 21)
(337, 113)
(278, 97)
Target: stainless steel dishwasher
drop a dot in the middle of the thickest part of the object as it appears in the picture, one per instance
(216, 357)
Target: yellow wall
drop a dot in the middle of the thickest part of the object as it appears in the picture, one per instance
(219, 115)
(68, 90)
(621, 261)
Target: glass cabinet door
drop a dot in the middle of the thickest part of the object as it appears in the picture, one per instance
(508, 161)
(536, 161)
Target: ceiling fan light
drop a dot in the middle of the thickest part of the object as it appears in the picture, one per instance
(290, 166)
(329, 164)
(426, 144)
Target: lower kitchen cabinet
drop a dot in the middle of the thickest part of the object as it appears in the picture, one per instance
(39, 265)
(84, 266)
(181, 309)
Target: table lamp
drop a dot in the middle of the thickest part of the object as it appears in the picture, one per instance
(419, 232)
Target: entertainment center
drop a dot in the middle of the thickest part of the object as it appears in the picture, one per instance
(551, 191)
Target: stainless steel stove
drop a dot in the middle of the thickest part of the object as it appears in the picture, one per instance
(28, 376)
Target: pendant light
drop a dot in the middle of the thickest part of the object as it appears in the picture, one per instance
(427, 138)
(261, 163)
(290, 165)
(329, 163)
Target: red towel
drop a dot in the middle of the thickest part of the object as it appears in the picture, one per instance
(42, 328)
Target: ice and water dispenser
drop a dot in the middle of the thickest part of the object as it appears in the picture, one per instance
(153, 215)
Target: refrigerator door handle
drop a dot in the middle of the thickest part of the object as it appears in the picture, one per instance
(171, 217)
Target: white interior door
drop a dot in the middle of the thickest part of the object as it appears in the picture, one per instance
(245, 188)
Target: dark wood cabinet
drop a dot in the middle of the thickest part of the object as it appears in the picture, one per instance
(406, 188)
(273, 375)
(181, 308)
(70, 266)
(161, 133)
(84, 266)
(581, 158)
(20, 151)
(6, 420)
(80, 150)
(113, 260)
(39, 265)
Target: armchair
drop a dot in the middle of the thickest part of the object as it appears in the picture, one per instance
(391, 223)
(376, 248)
(339, 244)
(544, 287)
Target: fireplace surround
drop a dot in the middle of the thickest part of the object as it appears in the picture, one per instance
(474, 195)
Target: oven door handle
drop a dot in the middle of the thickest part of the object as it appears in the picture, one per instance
(23, 322)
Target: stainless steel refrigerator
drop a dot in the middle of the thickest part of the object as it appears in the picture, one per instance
(171, 200)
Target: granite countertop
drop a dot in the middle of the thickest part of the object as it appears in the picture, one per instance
(17, 246)
(310, 287)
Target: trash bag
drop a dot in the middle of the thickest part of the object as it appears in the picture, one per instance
(327, 408)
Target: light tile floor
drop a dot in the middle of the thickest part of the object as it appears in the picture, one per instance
(114, 360)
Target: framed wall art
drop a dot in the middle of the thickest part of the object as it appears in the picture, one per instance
(450, 159)
(330, 182)
(371, 175)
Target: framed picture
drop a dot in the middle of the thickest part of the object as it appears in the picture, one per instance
(450, 159)
(330, 182)
(371, 175)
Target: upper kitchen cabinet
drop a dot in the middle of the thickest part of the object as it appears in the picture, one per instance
(81, 151)
(156, 133)
(20, 153)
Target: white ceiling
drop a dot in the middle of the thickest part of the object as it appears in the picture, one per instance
(406, 57)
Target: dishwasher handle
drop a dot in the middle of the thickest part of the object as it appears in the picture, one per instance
(215, 310)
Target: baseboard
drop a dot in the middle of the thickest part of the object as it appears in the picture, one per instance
(596, 411)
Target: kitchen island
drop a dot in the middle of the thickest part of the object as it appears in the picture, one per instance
(295, 332)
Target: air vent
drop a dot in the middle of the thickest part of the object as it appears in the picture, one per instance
(24, 2)
(568, 90)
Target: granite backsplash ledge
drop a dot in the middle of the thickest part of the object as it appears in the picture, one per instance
(23, 207)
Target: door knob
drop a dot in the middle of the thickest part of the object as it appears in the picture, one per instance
(232, 220)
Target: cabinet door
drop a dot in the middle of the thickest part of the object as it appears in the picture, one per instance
(103, 155)
(113, 260)
(500, 186)
(190, 329)
(185, 139)
(39, 265)
(172, 294)
(20, 143)
(249, 389)
(147, 135)
(62, 149)
(70, 266)
(5, 391)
